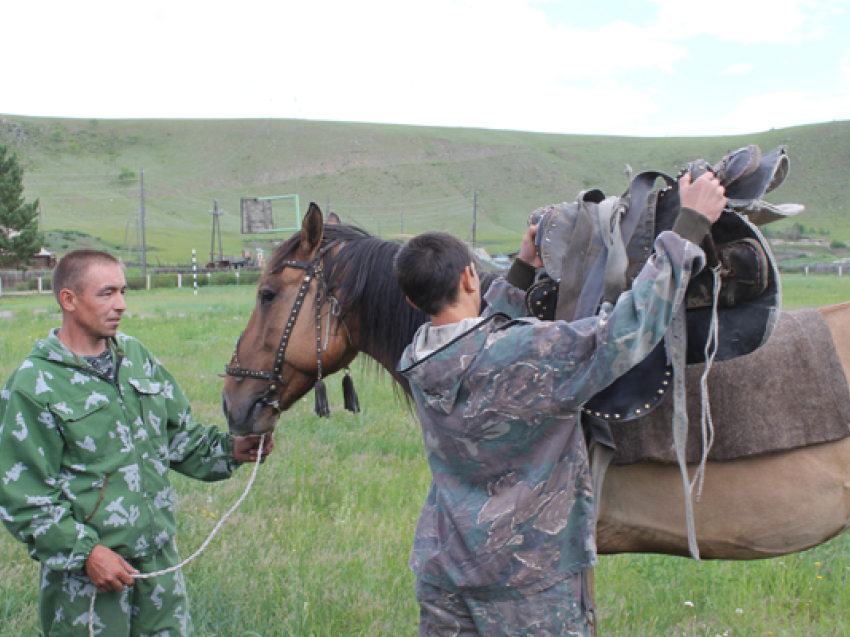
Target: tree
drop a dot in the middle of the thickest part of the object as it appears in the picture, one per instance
(19, 239)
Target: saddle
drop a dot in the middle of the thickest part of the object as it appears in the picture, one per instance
(593, 248)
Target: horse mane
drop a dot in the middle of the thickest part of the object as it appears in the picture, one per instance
(360, 276)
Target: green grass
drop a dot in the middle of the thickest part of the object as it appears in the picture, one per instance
(388, 178)
(815, 290)
(320, 546)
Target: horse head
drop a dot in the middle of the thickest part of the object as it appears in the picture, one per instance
(294, 337)
(327, 293)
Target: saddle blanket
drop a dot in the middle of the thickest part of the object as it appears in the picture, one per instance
(792, 392)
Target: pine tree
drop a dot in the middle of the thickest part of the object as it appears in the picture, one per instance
(16, 217)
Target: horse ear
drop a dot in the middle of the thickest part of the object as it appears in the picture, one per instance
(333, 219)
(312, 229)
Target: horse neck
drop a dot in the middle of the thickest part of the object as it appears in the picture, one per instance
(391, 331)
(384, 323)
(389, 362)
(394, 322)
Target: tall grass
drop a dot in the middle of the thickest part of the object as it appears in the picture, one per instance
(320, 546)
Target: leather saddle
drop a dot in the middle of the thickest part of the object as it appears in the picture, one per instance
(593, 248)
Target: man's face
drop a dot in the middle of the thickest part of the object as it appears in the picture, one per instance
(100, 303)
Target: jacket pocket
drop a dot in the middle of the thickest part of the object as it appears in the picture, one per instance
(154, 413)
(84, 426)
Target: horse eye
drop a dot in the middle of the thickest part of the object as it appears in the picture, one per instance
(267, 296)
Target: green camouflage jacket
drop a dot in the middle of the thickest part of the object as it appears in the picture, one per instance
(85, 461)
(510, 503)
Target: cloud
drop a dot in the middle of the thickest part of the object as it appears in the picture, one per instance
(738, 69)
(844, 69)
(782, 109)
(477, 63)
(747, 21)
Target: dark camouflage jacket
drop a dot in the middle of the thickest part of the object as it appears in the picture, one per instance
(510, 502)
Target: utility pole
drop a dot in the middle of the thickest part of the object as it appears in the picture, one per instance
(216, 224)
(142, 211)
(474, 216)
(128, 250)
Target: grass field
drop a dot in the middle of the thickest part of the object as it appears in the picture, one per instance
(320, 546)
(390, 179)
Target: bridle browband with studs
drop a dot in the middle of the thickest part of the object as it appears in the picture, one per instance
(311, 269)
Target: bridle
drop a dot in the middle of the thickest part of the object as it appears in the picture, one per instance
(312, 269)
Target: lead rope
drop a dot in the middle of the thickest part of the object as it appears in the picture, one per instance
(215, 530)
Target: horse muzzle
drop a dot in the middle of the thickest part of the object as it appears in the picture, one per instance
(256, 416)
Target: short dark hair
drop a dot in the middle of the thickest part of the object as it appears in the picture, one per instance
(71, 270)
(428, 269)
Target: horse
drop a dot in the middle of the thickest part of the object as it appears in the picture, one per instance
(753, 508)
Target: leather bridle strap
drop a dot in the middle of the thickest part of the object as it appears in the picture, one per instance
(311, 269)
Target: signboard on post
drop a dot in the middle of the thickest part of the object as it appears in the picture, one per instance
(257, 215)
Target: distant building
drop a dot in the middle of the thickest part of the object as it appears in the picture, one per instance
(44, 260)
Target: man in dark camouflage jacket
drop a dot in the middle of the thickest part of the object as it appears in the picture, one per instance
(507, 531)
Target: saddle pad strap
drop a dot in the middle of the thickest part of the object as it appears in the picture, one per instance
(677, 344)
(600, 458)
(573, 269)
(637, 195)
(599, 255)
(610, 214)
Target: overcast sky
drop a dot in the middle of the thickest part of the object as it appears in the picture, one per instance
(621, 67)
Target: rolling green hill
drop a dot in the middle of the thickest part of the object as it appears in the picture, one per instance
(389, 179)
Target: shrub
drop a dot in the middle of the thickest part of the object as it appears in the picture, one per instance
(214, 278)
(135, 282)
(163, 281)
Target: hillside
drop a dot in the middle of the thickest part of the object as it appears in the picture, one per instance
(389, 179)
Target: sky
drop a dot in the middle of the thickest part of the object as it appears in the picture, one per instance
(647, 68)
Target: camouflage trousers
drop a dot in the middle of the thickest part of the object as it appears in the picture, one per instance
(563, 609)
(154, 607)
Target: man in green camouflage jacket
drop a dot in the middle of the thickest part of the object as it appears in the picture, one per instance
(507, 531)
(90, 425)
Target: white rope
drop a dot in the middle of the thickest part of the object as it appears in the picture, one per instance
(706, 423)
(206, 543)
